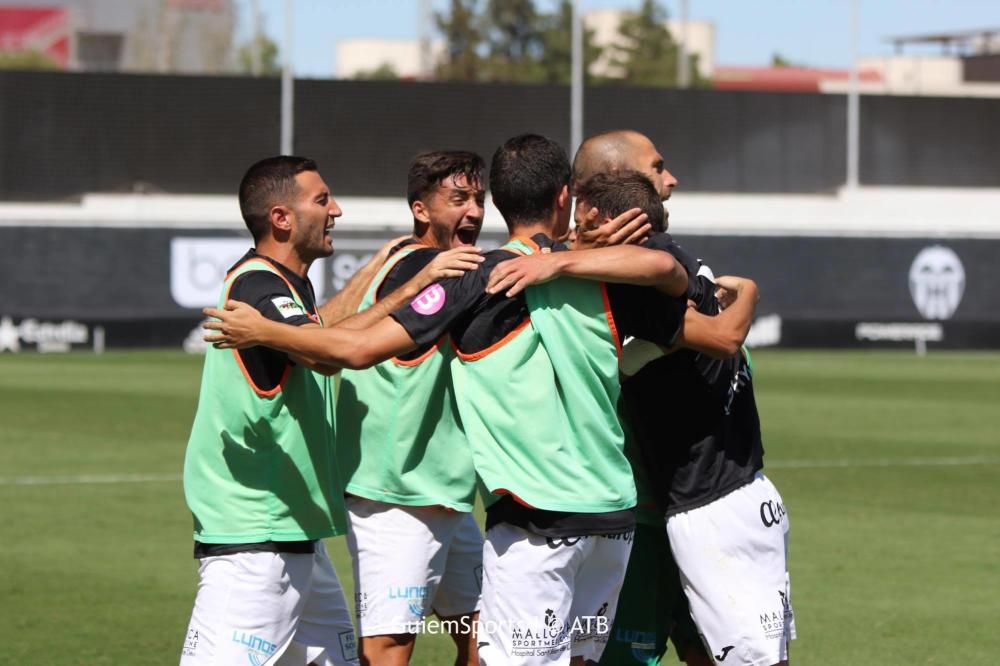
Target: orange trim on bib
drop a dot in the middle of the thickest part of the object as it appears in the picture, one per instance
(611, 320)
(398, 257)
(236, 352)
(492, 348)
(420, 359)
(523, 239)
(504, 491)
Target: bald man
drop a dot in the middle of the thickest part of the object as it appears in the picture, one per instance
(705, 475)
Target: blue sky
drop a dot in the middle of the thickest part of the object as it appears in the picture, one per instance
(813, 32)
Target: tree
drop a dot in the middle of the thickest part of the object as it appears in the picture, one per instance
(384, 72)
(778, 60)
(647, 54)
(557, 47)
(26, 60)
(513, 41)
(463, 39)
(267, 53)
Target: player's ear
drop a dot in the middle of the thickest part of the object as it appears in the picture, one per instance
(420, 212)
(280, 217)
(563, 199)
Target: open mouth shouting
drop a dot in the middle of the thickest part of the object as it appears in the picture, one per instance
(467, 233)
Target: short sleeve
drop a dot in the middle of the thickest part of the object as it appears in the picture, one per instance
(435, 309)
(433, 312)
(271, 296)
(405, 269)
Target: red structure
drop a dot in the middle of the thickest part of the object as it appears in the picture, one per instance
(45, 30)
(783, 79)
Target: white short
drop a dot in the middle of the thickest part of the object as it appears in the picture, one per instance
(284, 609)
(546, 599)
(409, 561)
(733, 559)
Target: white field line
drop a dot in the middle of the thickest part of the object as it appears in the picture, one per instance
(86, 479)
(844, 463)
(882, 462)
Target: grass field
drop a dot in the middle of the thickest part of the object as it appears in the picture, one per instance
(889, 465)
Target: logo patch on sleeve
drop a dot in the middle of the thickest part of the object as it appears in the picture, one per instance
(429, 301)
(288, 307)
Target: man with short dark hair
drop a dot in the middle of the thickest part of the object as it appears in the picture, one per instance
(705, 471)
(622, 191)
(260, 476)
(406, 463)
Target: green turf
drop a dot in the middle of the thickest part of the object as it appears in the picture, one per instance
(890, 564)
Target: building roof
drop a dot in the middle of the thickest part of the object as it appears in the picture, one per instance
(980, 38)
(783, 79)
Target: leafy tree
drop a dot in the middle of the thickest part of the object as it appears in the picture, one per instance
(461, 27)
(510, 40)
(557, 47)
(647, 54)
(268, 54)
(513, 40)
(26, 60)
(384, 72)
(778, 60)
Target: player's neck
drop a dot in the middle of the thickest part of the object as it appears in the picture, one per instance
(284, 254)
(531, 229)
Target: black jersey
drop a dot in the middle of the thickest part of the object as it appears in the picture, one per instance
(265, 291)
(694, 417)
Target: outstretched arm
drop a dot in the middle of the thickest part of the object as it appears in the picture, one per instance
(240, 326)
(345, 302)
(626, 264)
(451, 263)
(359, 342)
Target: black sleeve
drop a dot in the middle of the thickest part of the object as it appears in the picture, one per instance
(691, 264)
(402, 273)
(269, 294)
(647, 313)
(701, 290)
(428, 316)
(406, 269)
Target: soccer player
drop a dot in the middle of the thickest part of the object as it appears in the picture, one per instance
(538, 380)
(260, 477)
(706, 470)
(415, 546)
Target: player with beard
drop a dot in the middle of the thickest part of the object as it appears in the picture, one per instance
(260, 476)
(705, 470)
(415, 547)
(538, 379)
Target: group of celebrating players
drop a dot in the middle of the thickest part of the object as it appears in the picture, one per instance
(589, 382)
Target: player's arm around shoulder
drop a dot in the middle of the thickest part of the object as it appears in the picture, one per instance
(359, 342)
(240, 326)
(722, 336)
(345, 302)
(626, 264)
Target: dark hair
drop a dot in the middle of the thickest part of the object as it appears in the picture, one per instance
(526, 175)
(614, 193)
(428, 170)
(266, 184)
